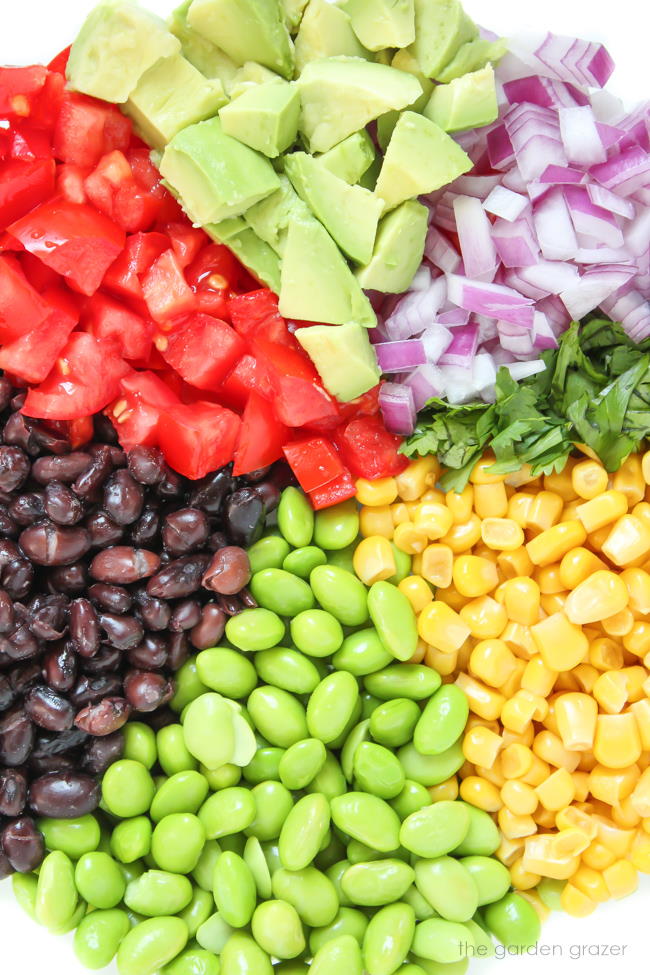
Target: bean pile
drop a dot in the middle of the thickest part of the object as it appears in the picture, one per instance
(110, 573)
(292, 814)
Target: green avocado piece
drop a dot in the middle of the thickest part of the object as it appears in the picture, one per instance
(254, 254)
(371, 175)
(250, 75)
(222, 232)
(350, 159)
(465, 103)
(349, 213)
(116, 45)
(386, 123)
(398, 251)
(293, 11)
(317, 283)
(341, 95)
(344, 358)
(325, 31)
(383, 23)
(264, 118)
(270, 218)
(472, 56)
(206, 57)
(247, 30)
(216, 176)
(420, 158)
(170, 96)
(441, 28)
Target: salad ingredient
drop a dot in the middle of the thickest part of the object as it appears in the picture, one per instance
(343, 358)
(465, 103)
(246, 31)
(325, 31)
(400, 241)
(264, 117)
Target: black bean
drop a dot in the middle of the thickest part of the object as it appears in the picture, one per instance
(231, 605)
(84, 627)
(160, 718)
(185, 616)
(69, 579)
(17, 578)
(228, 572)
(210, 492)
(146, 691)
(28, 508)
(90, 689)
(154, 613)
(51, 763)
(66, 468)
(99, 753)
(123, 564)
(13, 792)
(48, 544)
(115, 599)
(61, 505)
(216, 541)
(247, 599)
(8, 527)
(151, 654)
(107, 660)
(254, 477)
(105, 717)
(6, 612)
(172, 486)
(14, 468)
(180, 578)
(49, 710)
(7, 693)
(147, 465)
(89, 483)
(65, 795)
(19, 431)
(6, 392)
(117, 455)
(48, 617)
(104, 429)
(123, 498)
(23, 844)
(209, 631)
(6, 869)
(185, 531)
(16, 737)
(9, 551)
(102, 530)
(59, 667)
(47, 745)
(144, 532)
(179, 651)
(122, 632)
(25, 676)
(22, 644)
(244, 514)
(269, 493)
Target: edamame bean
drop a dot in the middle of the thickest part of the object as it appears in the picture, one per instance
(281, 592)
(151, 945)
(442, 941)
(330, 780)
(178, 842)
(335, 874)
(357, 852)
(413, 796)
(98, 937)
(388, 939)
(278, 716)
(443, 721)
(256, 863)
(73, 922)
(338, 591)
(269, 553)
(273, 803)
(242, 956)
(99, 880)
(183, 792)
(482, 837)
(342, 954)
(226, 812)
(435, 830)
(403, 565)
(198, 910)
(303, 560)
(550, 892)
(449, 888)
(369, 704)
(378, 771)
(235, 893)
(296, 518)
(362, 653)
(303, 831)
(414, 681)
(513, 921)
(127, 789)
(71, 836)
(158, 893)
(316, 632)
(311, 892)
(56, 892)
(173, 755)
(140, 743)
(264, 765)
(301, 763)
(368, 819)
(214, 933)
(337, 527)
(421, 906)
(491, 877)
(343, 558)
(482, 939)
(209, 730)
(227, 671)
(359, 734)
(131, 839)
(221, 778)
(377, 882)
(392, 723)
(431, 769)
(339, 742)
(189, 685)
(203, 872)
(24, 887)
(347, 921)
(334, 851)
(130, 871)
(394, 619)
(255, 629)
(277, 928)
(288, 669)
(331, 706)
(193, 961)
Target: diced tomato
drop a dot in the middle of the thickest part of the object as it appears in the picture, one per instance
(60, 62)
(369, 450)
(80, 431)
(32, 356)
(134, 209)
(141, 399)
(18, 88)
(198, 438)
(87, 129)
(342, 489)
(38, 275)
(366, 405)
(73, 239)
(28, 143)
(315, 462)
(114, 322)
(145, 173)
(22, 309)
(111, 171)
(215, 269)
(256, 315)
(165, 290)
(242, 381)
(260, 438)
(186, 241)
(140, 252)
(85, 378)
(70, 182)
(298, 394)
(203, 350)
(23, 185)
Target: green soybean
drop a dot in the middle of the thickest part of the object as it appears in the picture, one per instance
(378, 771)
(357, 852)
(151, 945)
(287, 668)
(513, 921)
(221, 778)
(339, 742)
(347, 921)
(98, 937)
(227, 671)
(277, 928)
(377, 882)
(127, 789)
(173, 755)
(388, 939)
(337, 527)
(311, 892)
(193, 961)
(228, 811)
(393, 722)
(214, 934)
(301, 763)
(203, 872)
(331, 706)
(482, 939)
(268, 553)
(302, 561)
(448, 886)
(442, 941)
(73, 921)
(24, 886)
(356, 737)
(56, 892)
(368, 819)
(255, 629)
(403, 565)
(414, 681)
(332, 853)
(256, 863)
(340, 593)
(189, 685)
(264, 765)
(394, 619)
(296, 518)
(482, 837)
(235, 893)
(99, 880)
(198, 910)
(140, 743)
(343, 954)
(491, 877)
(273, 803)
(157, 893)
(435, 830)
(241, 956)
(282, 592)
(421, 906)
(443, 721)
(316, 632)
(330, 780)
(413, 796)
(183, 792)
(362, 653)
(335, 875)
(550, 892)
(178, 842)
(369, 704)
(209, 730)
(303, 831)
(278, 716)
(431, 769)
(131, 839)
(71, 836)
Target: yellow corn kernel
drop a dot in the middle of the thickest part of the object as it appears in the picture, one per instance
(437, 565)
(520, 640)
(587, 762)
(433, 495)
(581, 785)
(548, 579)
(417, 477)
(485, 617)
(577, 565)
(441, 627)
(521, 799)
(612, 786)
(620, 879)
(575, 902)
(638, 587)
(544, 511)
(576, 716)
(597, 539)
(417, 591)
(520, 710)
(374, 560)
(376, 521)
(562, 483)
(639, 854)
(480, 793)
(585, 676)
(591, 883)
(552, 603)
(602, 510)
(610, 690)
(599, 597)
(445, 663)
(553, 544)
(516, 761)
(481, 746)
(640, 796)
(598, 856)
(537, 904)
(570, 842)
(619, 624)
(446, 791)
(617, 743)
(461, 505)
(521, 599)
(510, 687)
(502, 534)
(522, 879)
(539, 858)
(641, 711)
(512, 564)
(570, 511)
(538, 772)
(615, 839)
(492, 774)
(518, 508)
(605, 654)
(550, 722)
(515, 827)
(561, 643)
(624, 814)
(628, 540)
(482, 700)
(484, 552)
(557, 792)
(433, 519)
(377, 493)
(567, 681)
(492, 662)
(474, 576)
(461, 538)
(629, 480)
(400, 512)
(480, 472)
(410, 538)
(573, 817)
(589, 479)
(509, 850)
(491, 500)
(642, 511)
(418, 654)
(537, 677)
(637, 640)
(549, 747)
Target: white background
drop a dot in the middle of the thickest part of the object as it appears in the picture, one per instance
(35, 30)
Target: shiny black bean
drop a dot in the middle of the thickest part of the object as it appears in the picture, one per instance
(115, 599)
(179, 651)
(247, 599)
(99, 753)
(180, 578)
(61, 505)
(244, 513)
(160, 719)
(209, 631)
(23, 844)
(146, 691)
(48, 617)
(102, 530)
(144, 533)
(216, 541)
(84, 627)
(254, 477)
(66, 467)
(210, 492)
(48, 544)
(185, 616)
(123, 498)
(25, 676)
(7, 693)
(13, 792)
(6, 392)
(49, 710)
(151, 654)
(172, 486)
(105, 717)
(8, 527)
(16, 737)
(51, 763)
(117, 455)
(185, 531)
(19, 431)
(105, 662)
(17, 578)
(90, 482)
(69, 579)
(59, 668)
(6, 869)
(123, 564)
(104, 429)
(228, 572)
(64, 795)
(9, 551)
(89, 689)
(147, 465)
(6, 612)
(47, 745)
(154, 613)
(14, 468)
(122, 632)
(55, 439)
(22, 644)
(269, 493)
(28, 508)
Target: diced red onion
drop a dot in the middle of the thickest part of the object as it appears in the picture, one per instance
(581, 139)
(592, 220)
(462, 348)
(524, 370)
(398, 408)
(595, 285)
(440, 252)
(499, 146)
(554, 228)
(562, 174)
(551, 276)
(492, 300)
(453, 317)
(476, 246)
(624, 173)
(604, 198)
(542, 91)
(504, 203)
(398, 356)
(515, 243)
(425, 382)
(436, 339)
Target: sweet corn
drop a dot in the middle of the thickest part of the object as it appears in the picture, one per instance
(537, 677)
(612, 786)
(441, 627)
(480, 793)
(510, 850)
(544, 512)
(548, 579)
(434, 519)
(581, 785)
(561, 482)
(575, 902)
(513, 826)
(400, 512)
(642, 511)
(522, 879)
(537, 904)
(591, 883)
(410, 538)
(516, 563)
(620, 624)
(628, 540)
(417, 591)
(553, 602)
(585, 676)
(485, 617)
(638, 587)
(549, 747)
(516, 760)
(620, 879)
(598, 597)
(589, 479)
(520, 639)
(437, 565)
(521, 600)
(577, 565)
(513, 684)
(417, 477)
(376, 521)
(637, 640)
(481, 471)
(519, 797)
(605, 654)
(573, 817)
(445, 663)
(374, 560)
(553, 544)
(610, 690)
(561, 643)
(446, 791)
(640, 797)
(483, 700)
(570, 842)
(557, 792)
(461, 505)
(461, 538)
(539, 858)
(538, 772)
(474, 576)
(502, 534)
(641, 711)
(624, 814)
(519, 507)
(602, 510)
(576, 716)
(598, 856)
(377, 493)
(492, 662)
(491, 500)
(617, 743)
(481, 746)
(629, 480)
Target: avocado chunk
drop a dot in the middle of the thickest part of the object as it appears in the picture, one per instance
(317, 281)
(293, 11)
(371, 175)
(441, 28)
(341, 95)
(270, 218)
(170, 96)
(116, 45)
(210, 60)
(398, 251)
(250, 75)
(215, 176)
(344, 358)
(254, 254)
(465, 103)
(222, 232)
(247, 30)
(264, 118)
(383, 23)
(471, 57)
(325, 31)
(349, 213)
(420, 158)
(350, 159)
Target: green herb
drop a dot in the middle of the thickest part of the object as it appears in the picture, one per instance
(595, 390)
